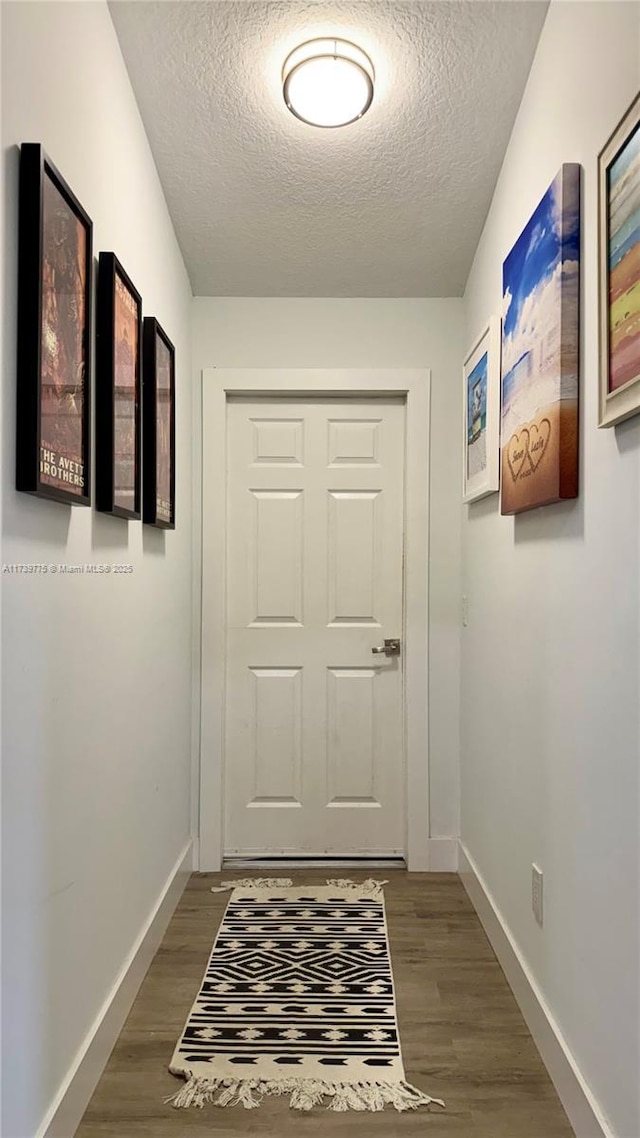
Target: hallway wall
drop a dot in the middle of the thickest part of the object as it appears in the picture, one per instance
(550, 680)
(332, 333)
(97, 669)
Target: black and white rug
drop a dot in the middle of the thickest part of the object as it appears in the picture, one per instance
(297, 1000)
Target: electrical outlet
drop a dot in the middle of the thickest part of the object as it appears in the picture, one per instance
(465, 611)
(536, 893)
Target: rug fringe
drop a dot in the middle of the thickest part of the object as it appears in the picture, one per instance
(304, 1094)
(370, 888)
(253, 883)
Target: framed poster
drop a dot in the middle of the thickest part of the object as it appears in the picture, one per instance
(118, 391)
(540, 340)
(481, 415)
(159, 427)
(53, 454)
(619, 271)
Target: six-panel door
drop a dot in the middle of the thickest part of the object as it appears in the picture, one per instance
(314, 721)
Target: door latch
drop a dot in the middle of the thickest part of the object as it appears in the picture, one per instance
(390, 647)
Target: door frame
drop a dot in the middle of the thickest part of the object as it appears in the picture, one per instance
(217, 385)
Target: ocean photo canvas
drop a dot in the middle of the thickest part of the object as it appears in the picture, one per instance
(540, 338)
(477, 418)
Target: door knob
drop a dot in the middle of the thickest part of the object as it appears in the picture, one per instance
(389, 648)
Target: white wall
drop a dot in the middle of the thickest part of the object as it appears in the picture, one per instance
(97, 670)
(550, 683)
(332, 333)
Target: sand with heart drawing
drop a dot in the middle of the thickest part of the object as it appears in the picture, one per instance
(540, 460)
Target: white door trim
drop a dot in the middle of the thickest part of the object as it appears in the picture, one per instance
(217, 385)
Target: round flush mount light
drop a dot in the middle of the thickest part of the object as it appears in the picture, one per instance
(328, 82)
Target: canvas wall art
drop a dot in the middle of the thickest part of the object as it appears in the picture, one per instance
(118, 391)
(481, 409)
(540, 348)
(619, 217)
(54, 327)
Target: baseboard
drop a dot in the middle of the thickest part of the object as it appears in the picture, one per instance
(443, 855)
(582, 1109)
(435, 855)
(63, 1117)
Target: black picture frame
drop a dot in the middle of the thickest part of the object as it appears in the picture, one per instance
(118, 395)
(158, 426)
(55, 269)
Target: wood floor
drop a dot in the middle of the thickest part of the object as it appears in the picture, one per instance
(463, 1037)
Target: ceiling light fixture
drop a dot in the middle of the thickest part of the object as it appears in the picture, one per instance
(328, 82)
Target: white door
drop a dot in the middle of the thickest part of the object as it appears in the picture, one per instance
(314, 757)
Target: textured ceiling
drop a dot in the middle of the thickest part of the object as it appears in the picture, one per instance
(264, 205)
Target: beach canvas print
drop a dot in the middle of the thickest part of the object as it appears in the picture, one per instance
(540, 336)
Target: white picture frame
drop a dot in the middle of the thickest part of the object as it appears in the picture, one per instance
(481, 454)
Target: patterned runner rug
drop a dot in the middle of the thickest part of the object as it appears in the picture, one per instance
(297, 1000)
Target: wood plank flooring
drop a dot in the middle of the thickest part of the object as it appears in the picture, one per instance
(463, 1037)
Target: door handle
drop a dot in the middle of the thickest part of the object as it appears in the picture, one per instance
(390, 647)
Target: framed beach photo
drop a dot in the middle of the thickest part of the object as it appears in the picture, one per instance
(159, 427)
(53, 453)
(118, 391)
(540, 353)
(481, 415)
(619, 271)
